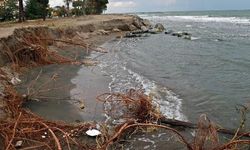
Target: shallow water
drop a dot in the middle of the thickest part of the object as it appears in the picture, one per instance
(187, 78)
(53, 104)
(211, 73)
(62, 98)
(206, 75)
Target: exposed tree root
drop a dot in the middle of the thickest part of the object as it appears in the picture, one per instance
(134, 109)
(32, 49)
(37, 133)
(178, 123)
(140, 112)
(34, 132)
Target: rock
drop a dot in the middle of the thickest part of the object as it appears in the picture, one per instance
(132, 27)
(187, 37)
(180, 34)
(124, 27)
(144, 28)
(159, 27)
(18, 144)
(137, 23)
(169, 32)
(146, 23)
(102, 32)
(116, 30)
(186, 33)
(131, 35)
(136, 34)
(139, 32)
(154, 31)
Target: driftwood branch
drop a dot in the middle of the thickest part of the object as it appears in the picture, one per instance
(133, 125)
(178, 123)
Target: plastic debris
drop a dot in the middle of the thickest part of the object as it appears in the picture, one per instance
(15, 81)
(93, 132)
(18, 144)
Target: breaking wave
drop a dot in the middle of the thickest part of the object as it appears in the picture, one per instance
(237, 20)
(123, 79)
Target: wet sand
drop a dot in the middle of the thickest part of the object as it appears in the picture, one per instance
(74, 87)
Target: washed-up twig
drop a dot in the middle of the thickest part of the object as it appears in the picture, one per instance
(178, 123)
(127, 126)
(14, 131)
(54, 136)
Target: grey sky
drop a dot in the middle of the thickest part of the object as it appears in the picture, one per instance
(172, 5)
(119, 6)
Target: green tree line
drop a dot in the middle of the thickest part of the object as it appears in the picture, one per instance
(36, 9)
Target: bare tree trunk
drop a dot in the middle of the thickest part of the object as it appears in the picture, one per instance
(67, 3)
(21, 12)
(44, 12)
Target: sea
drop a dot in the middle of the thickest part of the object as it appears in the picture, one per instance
(209, 74)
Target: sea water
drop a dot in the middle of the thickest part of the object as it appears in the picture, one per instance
(206, 75)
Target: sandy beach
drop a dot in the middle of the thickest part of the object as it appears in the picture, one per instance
(80, 82)
(53, 72)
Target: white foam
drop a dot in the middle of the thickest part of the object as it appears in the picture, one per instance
(238, 20)
(170, 105)
(124, 79)
(194, 38)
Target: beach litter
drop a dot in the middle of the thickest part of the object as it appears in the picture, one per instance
(93, 132)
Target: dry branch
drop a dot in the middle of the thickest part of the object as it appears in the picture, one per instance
(139, 108)
(178, 123)
(31, 129)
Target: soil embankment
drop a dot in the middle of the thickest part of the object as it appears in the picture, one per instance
(36, 43)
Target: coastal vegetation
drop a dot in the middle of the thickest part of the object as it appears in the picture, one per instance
(11, 10)
(24, 129)
(33, 46)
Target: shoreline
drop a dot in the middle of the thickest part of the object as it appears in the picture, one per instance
(94, 30)
(53, 63)
(91, 31)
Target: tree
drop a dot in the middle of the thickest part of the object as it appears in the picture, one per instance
(67, 3)
(50, 11)
(78, 7)
(101, 6)
(21, 12)
(8, 10)
(33, 9)
(36, 9)
(44, 5)
(61, 11)
(96, 6)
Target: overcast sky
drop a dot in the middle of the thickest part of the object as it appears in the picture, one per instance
(120, 6)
